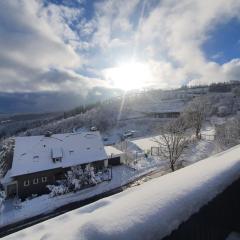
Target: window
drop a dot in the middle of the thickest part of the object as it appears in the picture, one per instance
(44, 179)
(58, 159)
(155, 151)
(26, 183)
(35, 181)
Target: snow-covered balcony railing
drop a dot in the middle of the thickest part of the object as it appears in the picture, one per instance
(166, 207)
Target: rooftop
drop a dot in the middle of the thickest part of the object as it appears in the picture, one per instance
(36, 153)
(112, 151)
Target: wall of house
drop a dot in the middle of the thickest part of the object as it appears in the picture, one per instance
(40, 187)
(98, 164)
(121, 157)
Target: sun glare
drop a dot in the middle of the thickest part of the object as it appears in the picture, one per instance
(129, 76)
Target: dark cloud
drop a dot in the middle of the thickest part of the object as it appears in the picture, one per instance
(51, 101)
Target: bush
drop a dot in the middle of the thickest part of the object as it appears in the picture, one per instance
(2, 199)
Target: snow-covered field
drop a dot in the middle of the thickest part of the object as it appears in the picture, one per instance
(149, 211)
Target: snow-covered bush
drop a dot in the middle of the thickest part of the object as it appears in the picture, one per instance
(6, 156)
(57, 190)
(17, 203)
(2, 199)
(223, 111)
(228, 134)
(77, 179)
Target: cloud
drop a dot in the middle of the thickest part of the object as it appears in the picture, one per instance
(34, 40)
(47, 46)
(180, 28)
(168, 36)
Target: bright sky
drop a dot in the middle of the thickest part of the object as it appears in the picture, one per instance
(56, 45)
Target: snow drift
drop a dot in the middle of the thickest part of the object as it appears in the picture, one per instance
(152, 210)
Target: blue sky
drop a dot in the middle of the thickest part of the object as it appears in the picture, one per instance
(223, 44)
(76, 46)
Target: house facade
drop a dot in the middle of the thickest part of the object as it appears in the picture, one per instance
(39, 161)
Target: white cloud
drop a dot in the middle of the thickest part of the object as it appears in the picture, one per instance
(180, 28)
(168, 38)
(33, 41)
(41, 43)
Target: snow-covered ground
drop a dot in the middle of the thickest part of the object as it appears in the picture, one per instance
(196, 151)
(199, 150)
(149, 211)
(142, 128)
(44, 204)
(121, 175)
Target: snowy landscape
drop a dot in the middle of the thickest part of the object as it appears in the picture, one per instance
(153, 209)
(136, 140)
(119, 119)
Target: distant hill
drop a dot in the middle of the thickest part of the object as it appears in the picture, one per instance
(40, 102)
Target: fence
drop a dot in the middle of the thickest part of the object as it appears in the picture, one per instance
(208, 137)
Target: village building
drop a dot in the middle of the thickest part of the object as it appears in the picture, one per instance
(115, 156)
(167, 114)
(39, 161)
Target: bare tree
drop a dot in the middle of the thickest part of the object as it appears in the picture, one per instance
(172, 141)
(195, 114)
(228, 133)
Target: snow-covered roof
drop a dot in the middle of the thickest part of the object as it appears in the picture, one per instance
(112, 151)
(35, 153)
(149, 211)
(170, 105)
(145, 144)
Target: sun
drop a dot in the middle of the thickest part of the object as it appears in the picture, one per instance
(129, 76)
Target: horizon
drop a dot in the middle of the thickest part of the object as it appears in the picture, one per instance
(75, 48)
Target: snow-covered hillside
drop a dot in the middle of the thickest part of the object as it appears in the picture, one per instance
(131, 111)
(116, 116)
(152, 210)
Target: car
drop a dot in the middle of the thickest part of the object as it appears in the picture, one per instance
(93, 129)
(128, 133)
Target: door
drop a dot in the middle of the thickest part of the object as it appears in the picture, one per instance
(12, 190)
